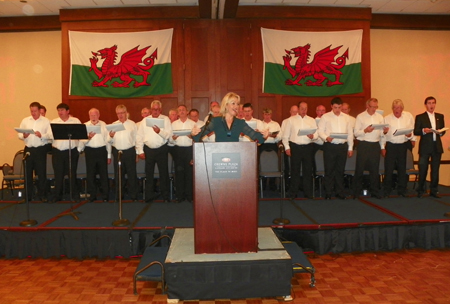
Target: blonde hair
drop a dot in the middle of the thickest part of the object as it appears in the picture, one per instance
(398, 102)
(229, 97)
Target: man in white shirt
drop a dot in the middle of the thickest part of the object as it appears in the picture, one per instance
(346, 110)
(248, 117)
(271, 142)
(36, 149)
(211, 106)
(194, 116)
(300, 148)
(335, 150)
(124, 142)
(60, 154)
(369, 148)
(151, 145)
(293, 111)
(97, 150)
(183, 166)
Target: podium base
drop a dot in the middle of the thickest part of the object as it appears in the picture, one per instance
(28, 223)
(281, 221)
(121, 222)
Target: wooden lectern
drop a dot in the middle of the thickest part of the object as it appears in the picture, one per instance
(225, 197)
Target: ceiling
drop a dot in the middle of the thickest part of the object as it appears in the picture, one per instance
(13, 8)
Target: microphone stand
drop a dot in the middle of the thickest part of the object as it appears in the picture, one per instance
(281, 220)
(121, 221)
(71, 212)
(28, 222)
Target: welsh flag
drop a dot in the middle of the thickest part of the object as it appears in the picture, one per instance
(312, 63)
(120, 65)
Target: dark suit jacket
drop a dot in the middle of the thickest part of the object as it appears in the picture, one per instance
(426, 141)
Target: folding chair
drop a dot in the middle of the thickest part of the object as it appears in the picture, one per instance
(152, 256)
(320, 170)
(15, 178)
(270, 166)
(410, 168)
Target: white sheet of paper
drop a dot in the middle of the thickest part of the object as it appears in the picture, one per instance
(302, 132)
(440, 130)
(95, 129)
(183, 132)
(19, 130)
(399, 132)
(379, 126)
(339, 135)
(115, 127)
(150, 122)
(251, 124)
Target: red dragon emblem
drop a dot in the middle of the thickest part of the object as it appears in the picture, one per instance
(323, 63)
(129, 65)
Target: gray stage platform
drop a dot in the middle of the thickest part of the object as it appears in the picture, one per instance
(190, 276)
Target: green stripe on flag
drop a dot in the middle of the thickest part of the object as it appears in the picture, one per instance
(275, 78)
(160, 83)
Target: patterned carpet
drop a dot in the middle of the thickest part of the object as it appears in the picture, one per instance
(407, 276)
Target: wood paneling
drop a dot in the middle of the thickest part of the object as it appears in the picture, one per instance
(410, 22)
(29, 24)
(213, 57)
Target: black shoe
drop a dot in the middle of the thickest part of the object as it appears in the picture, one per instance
(435, 195)
(402, 194)
(419, 194)
(340, 196)
(327, 197)
(377, 196)
(166, 201)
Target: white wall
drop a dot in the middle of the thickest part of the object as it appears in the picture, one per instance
(411, 65)
(30, 70)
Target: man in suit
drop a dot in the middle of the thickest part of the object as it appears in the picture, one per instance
(430, 146)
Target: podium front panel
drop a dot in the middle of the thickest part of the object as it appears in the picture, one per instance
(225, 197)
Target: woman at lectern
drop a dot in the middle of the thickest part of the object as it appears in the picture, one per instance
(227, 127)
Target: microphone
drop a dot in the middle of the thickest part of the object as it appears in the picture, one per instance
(208, 120)
(26, 156)
(119, 156)
(205, 126)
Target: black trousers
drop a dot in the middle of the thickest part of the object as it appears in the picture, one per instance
(334, 158)
(128, 167)
(184, 173)
(424, 159)
(367, 158)
(60, 161)
(302, 159)
(159, 157)
(37, 162)
(97, 161)
(395, 159)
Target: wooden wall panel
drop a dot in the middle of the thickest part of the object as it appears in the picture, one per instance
(200, 64)
(213, 57)
(234, 53)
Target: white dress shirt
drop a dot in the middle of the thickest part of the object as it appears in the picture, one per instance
(63, 144)
(259, 127)
(98, 140)
(433, 124)
(147, 136)
(42, 124)
(295, 123)
(273, 127)
(405, 121)
(126, 139)
(185, 140)
(331, 123)
(363, 120)
(319, 140)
